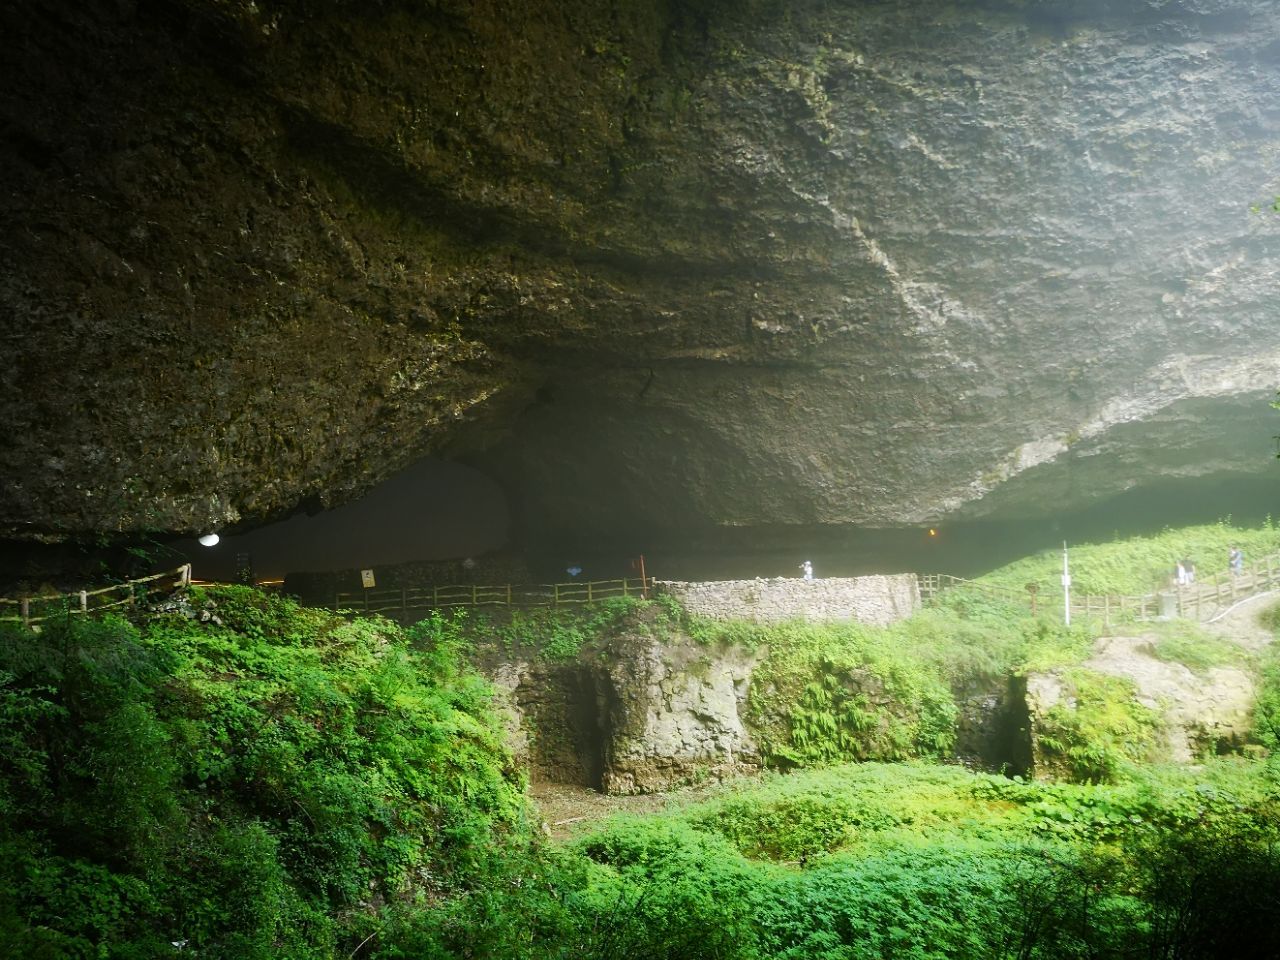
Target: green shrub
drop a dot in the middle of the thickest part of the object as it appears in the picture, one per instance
(842, 692)
(553, 634)
(267, 786)
(1101, 733)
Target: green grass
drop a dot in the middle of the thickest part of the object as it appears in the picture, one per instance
(1138, 565)
(903, 860)
(1188, 643)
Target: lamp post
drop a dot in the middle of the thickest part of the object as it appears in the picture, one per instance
(1066, 587)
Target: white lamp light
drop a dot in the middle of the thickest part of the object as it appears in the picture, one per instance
(209, 540)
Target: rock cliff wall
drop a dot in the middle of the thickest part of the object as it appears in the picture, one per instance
(656, 265)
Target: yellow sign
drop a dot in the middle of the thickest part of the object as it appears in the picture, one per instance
(366, 579)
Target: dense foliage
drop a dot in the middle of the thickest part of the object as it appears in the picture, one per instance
(269, 782)
(875, 861)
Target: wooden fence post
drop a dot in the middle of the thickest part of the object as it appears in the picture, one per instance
(26, 612)
(84, 601)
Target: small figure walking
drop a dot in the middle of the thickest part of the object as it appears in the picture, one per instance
(1235, 560)
(1190, 569)
(1180, 574)
(807, 567)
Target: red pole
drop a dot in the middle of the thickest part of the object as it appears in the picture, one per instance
(644, 584)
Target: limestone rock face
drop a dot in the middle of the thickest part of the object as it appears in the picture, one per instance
(1199, 713)
(639, 716)
(651, 264)
(679, 718)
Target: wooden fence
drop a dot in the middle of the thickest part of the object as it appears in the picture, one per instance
(33, 610)
(407, 599)
(1203, 601)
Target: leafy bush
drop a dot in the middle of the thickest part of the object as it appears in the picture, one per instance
(554, 634)
(843, 692)
(266, 786)
(1101, 733)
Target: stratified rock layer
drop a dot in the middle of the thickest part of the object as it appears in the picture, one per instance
(654, 265)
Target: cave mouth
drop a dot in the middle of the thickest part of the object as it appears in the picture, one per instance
(965, 548)
(432, 510)
(993, 727)
(1012, 754)
(568, 716)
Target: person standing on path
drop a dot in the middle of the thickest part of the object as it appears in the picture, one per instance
(807, 567)
(1235, 560)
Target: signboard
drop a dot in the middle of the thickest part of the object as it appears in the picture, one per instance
(366, 579)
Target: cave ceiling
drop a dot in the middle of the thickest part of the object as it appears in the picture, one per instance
(649, 264)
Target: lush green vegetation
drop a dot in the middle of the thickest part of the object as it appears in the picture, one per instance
(903, 861)
(550, 633)
(270, 782)
(249, 779)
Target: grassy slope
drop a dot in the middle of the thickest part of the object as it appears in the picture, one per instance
(1140, 564)
(914, 861)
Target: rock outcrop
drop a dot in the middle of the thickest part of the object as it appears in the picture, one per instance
(654, 265)
(638, 716)
(1195, 713)
(679, 717)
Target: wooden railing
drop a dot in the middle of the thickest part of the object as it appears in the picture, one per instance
(1202, 601)
(934, 584)
(1206, 600)
(34, 610)
(405, 599)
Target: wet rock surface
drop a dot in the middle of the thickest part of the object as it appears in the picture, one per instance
(666, 265)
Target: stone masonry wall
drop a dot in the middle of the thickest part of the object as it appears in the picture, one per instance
(879, 600)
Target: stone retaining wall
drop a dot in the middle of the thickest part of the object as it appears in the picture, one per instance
(877, 600)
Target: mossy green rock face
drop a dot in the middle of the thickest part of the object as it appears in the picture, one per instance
(717, 263)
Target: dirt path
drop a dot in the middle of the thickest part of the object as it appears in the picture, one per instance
(568, 810)
(1240, 624)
